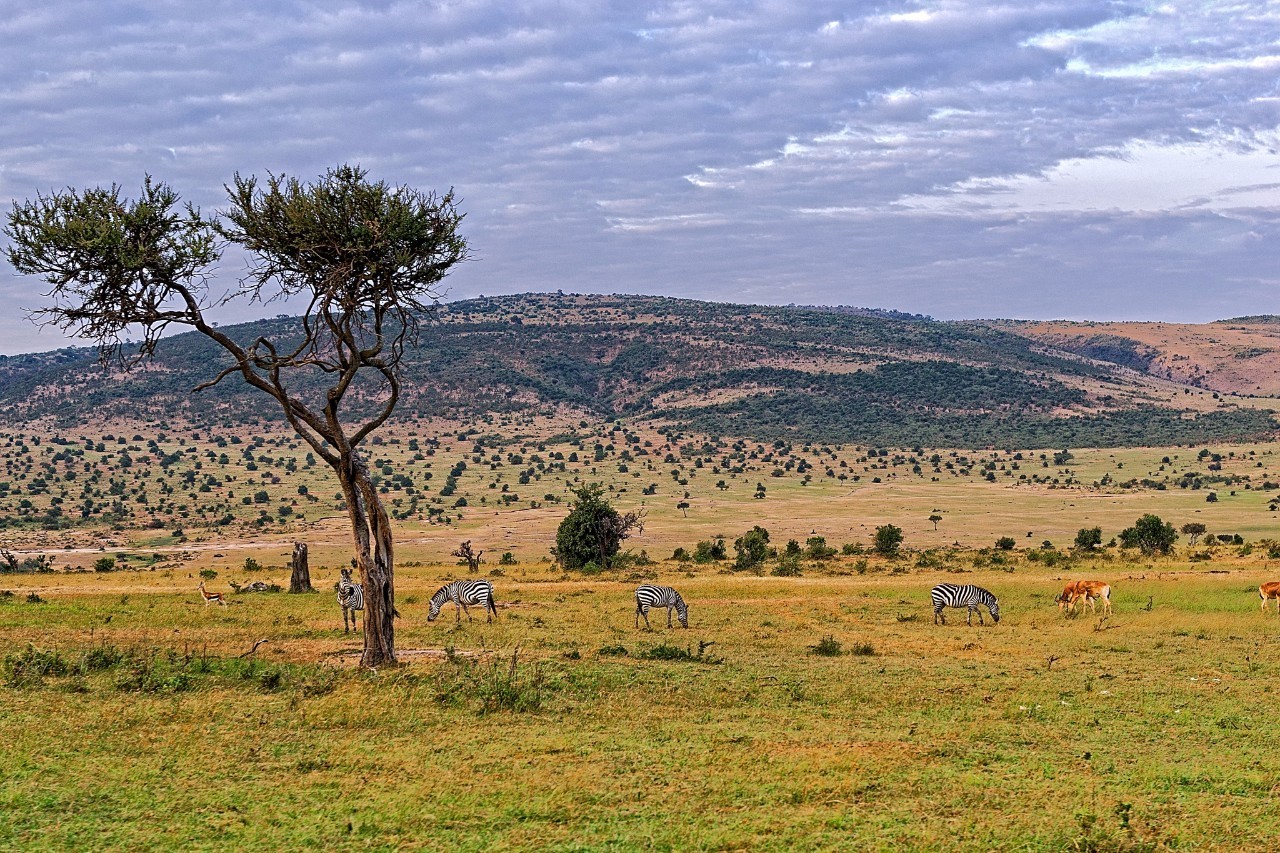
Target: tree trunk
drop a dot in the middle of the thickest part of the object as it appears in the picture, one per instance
(371, 529)
(300, 580)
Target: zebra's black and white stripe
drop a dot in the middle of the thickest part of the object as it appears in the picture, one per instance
(350, 599)
(954, 595)
(462, 593)
(649, 595)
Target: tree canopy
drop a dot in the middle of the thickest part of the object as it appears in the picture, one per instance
(593, 531)
(1150, 534)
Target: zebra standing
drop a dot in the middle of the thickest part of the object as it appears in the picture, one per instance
(350, 599)
(462, 593)
(649, 595)
(954, 595)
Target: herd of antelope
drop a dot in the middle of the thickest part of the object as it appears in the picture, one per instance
(1093, 591)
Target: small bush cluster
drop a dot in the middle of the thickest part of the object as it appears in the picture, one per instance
(494, 686)
(669, 652)
(827, 647)
(153, 670)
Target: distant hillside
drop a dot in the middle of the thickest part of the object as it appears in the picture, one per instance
(766, 373)
(1238, 356)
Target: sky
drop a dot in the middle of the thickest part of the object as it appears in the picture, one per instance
(1075, 159)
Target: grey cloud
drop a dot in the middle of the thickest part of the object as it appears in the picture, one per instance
(726, 149)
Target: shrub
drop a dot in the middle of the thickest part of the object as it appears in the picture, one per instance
(816, 548)
(1150, 534)
(1005, 543)
(710, 551)
(827, 647)
(29, 666)
(104, 564)
(788, 567)
(888, 540)
(593, 531)
(668, 652)
(208, 574)
(496, 686)
(752, 548)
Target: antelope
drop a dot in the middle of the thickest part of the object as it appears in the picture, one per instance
(1090, 591)
(1270, 589)
(211, 597)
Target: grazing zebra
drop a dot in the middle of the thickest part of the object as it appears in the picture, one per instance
(462, 593)
(350, 599)
(952, 595)
(648, 595)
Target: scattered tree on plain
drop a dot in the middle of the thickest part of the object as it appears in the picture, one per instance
(593, 531)
(466, 554)
(1088, 538)
(1150, 534)
(888, 540)
(363, 257)
(1193, 530)
(752, 548)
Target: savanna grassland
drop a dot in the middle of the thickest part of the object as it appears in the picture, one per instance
(812, 703)
(137, 716)
(131, 720)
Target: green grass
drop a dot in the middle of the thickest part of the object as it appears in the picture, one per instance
(1044, 732)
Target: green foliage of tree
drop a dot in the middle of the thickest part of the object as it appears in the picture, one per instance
(888, 540)
(1194, 530)
(816, 548)
(593, 531)
(709, 551)
(1150, 534)
(1005, 543)
(751, 548)
(1088, 538)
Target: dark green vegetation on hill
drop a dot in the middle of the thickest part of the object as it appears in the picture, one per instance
(759, 372)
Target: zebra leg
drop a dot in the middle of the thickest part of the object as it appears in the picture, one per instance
(669, 625)
(938, 618)
(457, 612)
(466, 611)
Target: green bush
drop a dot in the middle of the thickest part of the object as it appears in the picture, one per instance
(888, 540)
(827, 647)
(752, 548)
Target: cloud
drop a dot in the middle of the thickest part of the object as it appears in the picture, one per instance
(932, 156)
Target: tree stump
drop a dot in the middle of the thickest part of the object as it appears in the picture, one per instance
(300, 580)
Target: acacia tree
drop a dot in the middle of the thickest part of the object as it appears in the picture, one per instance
(364, 257)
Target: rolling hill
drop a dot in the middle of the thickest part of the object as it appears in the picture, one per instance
(765, 373)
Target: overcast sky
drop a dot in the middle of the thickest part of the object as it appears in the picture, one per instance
(1095, 159)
